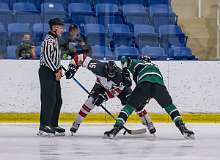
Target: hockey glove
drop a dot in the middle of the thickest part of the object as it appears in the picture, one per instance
(100, 99)
(71, 71)
(126, 77)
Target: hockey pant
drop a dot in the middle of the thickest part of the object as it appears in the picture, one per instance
(145, 91)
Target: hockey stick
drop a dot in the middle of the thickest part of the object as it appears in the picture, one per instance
(133, 132)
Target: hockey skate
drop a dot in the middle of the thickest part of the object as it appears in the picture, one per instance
(188, 134)
(113, 132)
(59, 131)
(46, 131)
(74, 128)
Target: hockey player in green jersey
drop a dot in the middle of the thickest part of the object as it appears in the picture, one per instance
(109, 84)
(149, 84)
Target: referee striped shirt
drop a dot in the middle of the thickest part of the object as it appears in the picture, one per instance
(50, 52)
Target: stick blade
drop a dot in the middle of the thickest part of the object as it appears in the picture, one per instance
(137, 131)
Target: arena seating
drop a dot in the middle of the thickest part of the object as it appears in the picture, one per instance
(156, 53)
(16, 32)
(114, 27)
(11, 52)
(145, 35)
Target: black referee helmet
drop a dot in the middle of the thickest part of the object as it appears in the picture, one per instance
(55, 21)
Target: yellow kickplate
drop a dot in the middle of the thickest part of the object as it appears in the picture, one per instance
(105, 118)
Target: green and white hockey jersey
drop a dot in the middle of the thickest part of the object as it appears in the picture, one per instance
(142, 70)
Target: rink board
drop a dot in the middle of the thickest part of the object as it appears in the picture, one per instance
(193, 85)
(105, 118)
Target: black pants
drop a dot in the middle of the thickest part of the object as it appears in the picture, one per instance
(51, 100)
(146, 90)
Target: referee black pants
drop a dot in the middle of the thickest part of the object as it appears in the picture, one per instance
(51, 100)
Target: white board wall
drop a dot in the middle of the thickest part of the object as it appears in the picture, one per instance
(194, 86)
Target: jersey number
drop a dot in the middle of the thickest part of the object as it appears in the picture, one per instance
(92, 65)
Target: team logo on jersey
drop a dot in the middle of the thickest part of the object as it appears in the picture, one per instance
(50, 41)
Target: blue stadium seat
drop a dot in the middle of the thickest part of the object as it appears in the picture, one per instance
(3, 38)
(126, 51)
(81, 13)
(6, 1)
(133, 9)
(95, 34)
(24, 7)
(66, 27)
(26, 13)
(39, 31)
(11, 52)
(64, 2)
(106, 1)
(36, 2)
(153, 2)
(108, 13)
(106, 9)
(120, 34)
(145, 35)
(52, 10)
(135, 14)
(156, 53)
(110, 19)
(80, 8)
(38, 51)
(162, 15)
(131, 20)
(102, 52)
(83, 19)
(16, 32)
(171, 35)
(6, 15)
(181, 53)
(80, 1)
(143, 2)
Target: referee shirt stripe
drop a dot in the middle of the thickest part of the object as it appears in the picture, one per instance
(47, 56)
(50, 55)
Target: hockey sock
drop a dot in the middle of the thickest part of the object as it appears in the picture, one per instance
(124, 114)
(174, 114)
(144, 116)
(84, 111)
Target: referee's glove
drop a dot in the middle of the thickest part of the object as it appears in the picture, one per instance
(71, 71)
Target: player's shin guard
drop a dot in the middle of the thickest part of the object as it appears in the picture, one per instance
(146, 120)
(177, 119)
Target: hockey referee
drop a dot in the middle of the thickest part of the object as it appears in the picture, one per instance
(50, 74)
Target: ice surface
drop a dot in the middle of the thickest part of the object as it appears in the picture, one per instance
(19, 142)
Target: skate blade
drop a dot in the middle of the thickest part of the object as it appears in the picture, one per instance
(189, 137)
(153, 135)
(108, 137)
(45, 134)
(59, 134)
(72, 133)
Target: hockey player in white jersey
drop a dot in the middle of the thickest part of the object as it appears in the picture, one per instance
(110, 82)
